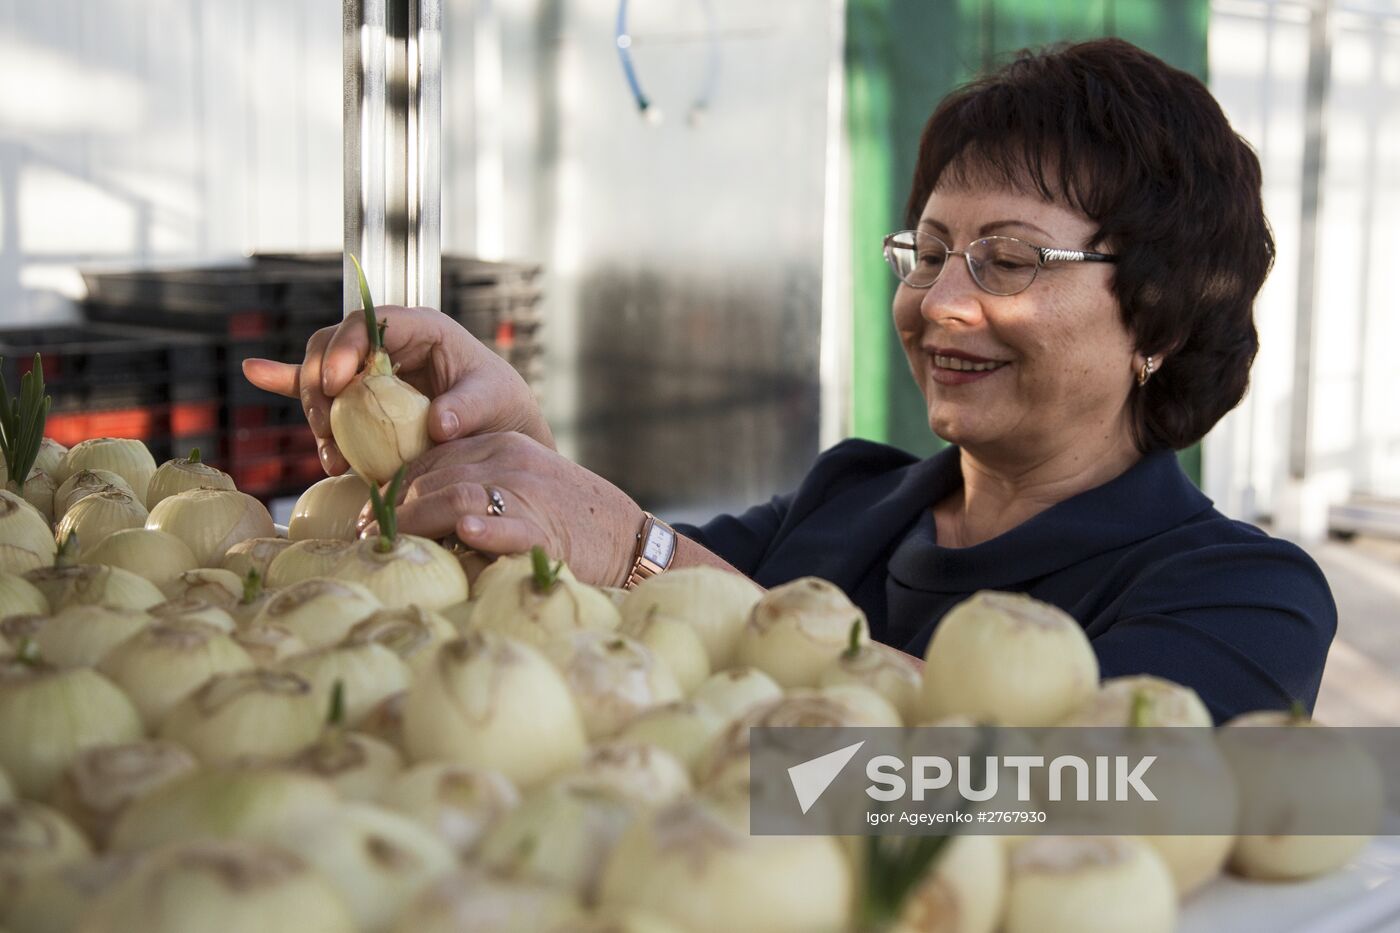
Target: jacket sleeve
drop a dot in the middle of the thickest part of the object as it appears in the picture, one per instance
(742, 540)
(1247, 625)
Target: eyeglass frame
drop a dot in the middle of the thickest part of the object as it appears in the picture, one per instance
(1044, 254)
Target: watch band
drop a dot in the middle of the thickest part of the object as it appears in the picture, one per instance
(656, 546)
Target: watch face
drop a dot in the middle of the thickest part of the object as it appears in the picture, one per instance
(660, 544)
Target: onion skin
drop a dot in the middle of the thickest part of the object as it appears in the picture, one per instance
(211, 521)
(732, 693)
(457, 802)
(93, 585)
(676, 643)
(1088, 884)
(20, 597)
(799, 629)
(414, 634)
(330, 509)
(268, 645)
(50, 458)
(369, 672)
(254, 554)
(127, 458)
(613, 678)
(714, 602)
(493, 702)
(92, 518)
(965, 892)
(54, 902)
(25, 540)
(248, 887)
(315, 558)
(47, 717)
(507, 602)
(156, 555)
(258, 804)
(177, 476)
(39, 491)
(1007, 659)
(319, 611)
(360, 766)
(34, 840)
(637, 771)
(84, 483)
(103, 781)
(894, 675)
(246, 716)
(81, 636)
(683, 728)
(380, 422)
(413, 572)
(165, 662)
(483, 903)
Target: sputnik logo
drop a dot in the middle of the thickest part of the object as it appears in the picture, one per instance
(811, 778)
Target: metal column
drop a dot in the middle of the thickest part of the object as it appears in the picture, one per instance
(392, 139)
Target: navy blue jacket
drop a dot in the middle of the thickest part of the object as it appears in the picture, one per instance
(1162, 582)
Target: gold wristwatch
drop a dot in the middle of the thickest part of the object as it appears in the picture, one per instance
(656, 546)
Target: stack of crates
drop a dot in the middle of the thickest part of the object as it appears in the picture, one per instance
(121, 381)
(269, 307)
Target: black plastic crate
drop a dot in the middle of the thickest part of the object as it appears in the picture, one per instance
(97, 367)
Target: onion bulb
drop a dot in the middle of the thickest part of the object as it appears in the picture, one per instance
(84, 483)
(525, 597)
(55, 901)
(457, 802)
(81, 636)
(260, 804)
(684, 728)
(1007, 659)
(15, 630)
(896, 676)
(268, 645)
(321, 612)
(1087, 884)
(48, 716)
(798, 629)
(377, 859)
(238, 886)
(104, 780)
(39, 492)
(330, 509)
(1141, 700)
(34, 840)
(191, 609)
(496, 703)
(409, 571)
(379, 422)
(714, 602)
(612, 678)
(210, 585)
(474, 900)
(414, 634)
(50, 456)
(25, 540)
(211, 521)
(963, 892)
(306, 560)
(156, 555)
(94, 517)
(358, 765)
(94, 585)
(561, 835)
(1295, 774)
(127, 458)
(164, 662)
(369, 672)
(177, 476)
(245, 716)
(690, 863)
(677, 643)
(637, 771)
(729, 694)
(254, 554)
(20, 597)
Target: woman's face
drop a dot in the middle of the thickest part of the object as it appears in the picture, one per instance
(1065, 358)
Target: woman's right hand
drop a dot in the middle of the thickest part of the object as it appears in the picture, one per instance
(473, 391)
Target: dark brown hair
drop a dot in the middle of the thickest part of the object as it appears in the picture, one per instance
(1144, 151)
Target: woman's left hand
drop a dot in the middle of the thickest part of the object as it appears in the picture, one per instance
(549, 501)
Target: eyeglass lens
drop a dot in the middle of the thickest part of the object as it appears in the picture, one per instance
(1000, 265)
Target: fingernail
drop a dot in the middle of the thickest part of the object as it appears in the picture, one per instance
(369, 530)
(474, 526)
(449, 423)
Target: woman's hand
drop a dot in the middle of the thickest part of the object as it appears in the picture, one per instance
(575, 515)
(473, 391)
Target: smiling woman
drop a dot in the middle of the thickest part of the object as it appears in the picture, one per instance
(1085, 243)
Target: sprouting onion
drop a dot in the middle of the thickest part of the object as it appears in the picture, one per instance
(22, 432)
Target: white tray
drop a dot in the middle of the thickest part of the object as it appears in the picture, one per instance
(1363, 897)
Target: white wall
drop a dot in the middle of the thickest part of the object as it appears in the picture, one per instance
(143, 131)
(1258, 67)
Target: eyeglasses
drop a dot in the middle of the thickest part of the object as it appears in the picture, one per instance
(1001, 265)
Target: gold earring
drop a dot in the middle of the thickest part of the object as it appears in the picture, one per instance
(1148, 368)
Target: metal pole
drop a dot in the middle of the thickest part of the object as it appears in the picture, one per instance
(392, 141)
(1314, 150)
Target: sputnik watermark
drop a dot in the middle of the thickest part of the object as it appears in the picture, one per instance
(1118, 775)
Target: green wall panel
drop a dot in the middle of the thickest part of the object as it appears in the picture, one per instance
(902, 56)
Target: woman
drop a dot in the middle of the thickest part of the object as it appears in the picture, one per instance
(1085, 243)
